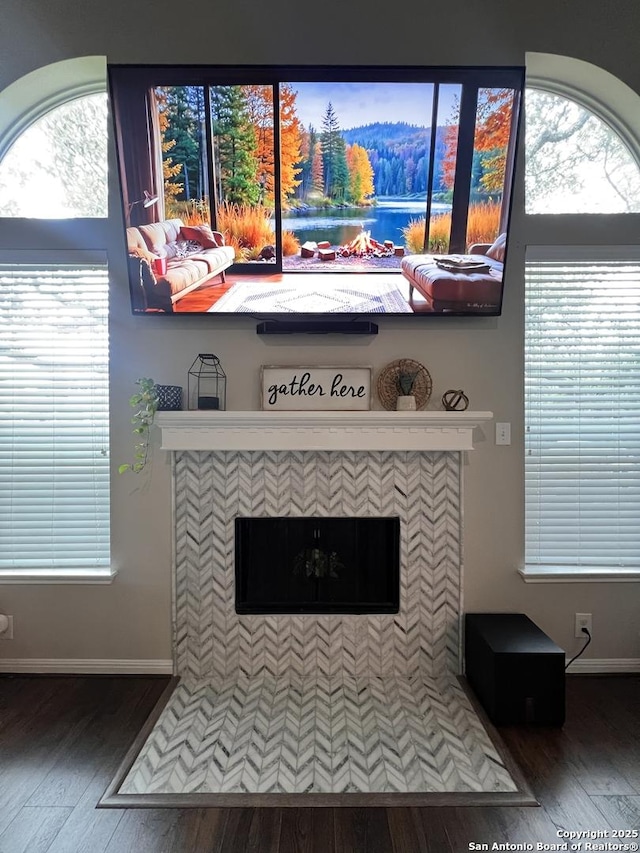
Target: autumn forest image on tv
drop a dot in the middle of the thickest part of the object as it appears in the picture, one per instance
(313, 176)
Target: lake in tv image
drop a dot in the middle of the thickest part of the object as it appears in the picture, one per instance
(312, 191)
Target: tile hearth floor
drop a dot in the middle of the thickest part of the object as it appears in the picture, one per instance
(318, 735)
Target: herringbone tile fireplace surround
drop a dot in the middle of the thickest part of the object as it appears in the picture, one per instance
(318, 704)
(212, 489)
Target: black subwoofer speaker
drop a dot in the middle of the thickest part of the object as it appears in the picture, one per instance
(515, 669)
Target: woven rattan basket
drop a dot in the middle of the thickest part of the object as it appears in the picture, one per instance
(389, 383)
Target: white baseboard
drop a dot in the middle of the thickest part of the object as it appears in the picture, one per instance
(86, 666)
(613, 665)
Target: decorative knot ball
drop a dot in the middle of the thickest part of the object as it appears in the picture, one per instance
(455, 401)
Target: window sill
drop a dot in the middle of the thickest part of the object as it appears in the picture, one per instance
(561, 574)
(60, 576)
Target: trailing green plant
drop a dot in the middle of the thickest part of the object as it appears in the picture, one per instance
(145, 404)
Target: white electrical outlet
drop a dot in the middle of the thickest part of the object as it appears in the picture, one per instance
(503, 433)
(6, 627)
(583, 620)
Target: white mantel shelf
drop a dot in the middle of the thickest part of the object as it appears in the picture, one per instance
(365, 431)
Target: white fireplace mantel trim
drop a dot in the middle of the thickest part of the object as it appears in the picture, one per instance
(365, 431)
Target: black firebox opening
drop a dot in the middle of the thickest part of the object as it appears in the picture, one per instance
(317, 565)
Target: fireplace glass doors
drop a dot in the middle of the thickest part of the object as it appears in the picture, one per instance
(317, 565)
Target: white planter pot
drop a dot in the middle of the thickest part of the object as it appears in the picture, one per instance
(406, 403)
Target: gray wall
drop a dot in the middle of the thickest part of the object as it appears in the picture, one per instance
(130, 619)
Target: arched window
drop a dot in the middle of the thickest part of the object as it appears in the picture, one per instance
(53, 141)
(582, 325)
(57, 167)
(575, 161)
(54, 360)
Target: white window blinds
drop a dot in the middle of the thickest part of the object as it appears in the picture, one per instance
(54, 428)
(582, 399)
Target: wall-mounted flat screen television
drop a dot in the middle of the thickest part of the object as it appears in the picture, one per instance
(309, 192)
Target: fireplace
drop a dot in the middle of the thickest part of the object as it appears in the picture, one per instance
(289, 702)
(320, 465)
(214, 489)
(317, 565)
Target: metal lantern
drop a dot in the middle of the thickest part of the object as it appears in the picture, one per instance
(207, 387)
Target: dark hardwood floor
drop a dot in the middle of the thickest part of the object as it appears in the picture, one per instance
(62, 739)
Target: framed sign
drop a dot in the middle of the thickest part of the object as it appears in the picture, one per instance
(316, 388)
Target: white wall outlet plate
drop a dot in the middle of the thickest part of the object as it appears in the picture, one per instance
(583, 620)
(503, 433)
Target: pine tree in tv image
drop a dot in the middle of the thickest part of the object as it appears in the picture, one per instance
(274, 192)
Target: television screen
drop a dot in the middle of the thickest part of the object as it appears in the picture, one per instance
(315, 191)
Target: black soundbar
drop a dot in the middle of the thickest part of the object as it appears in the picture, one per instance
(317, 327)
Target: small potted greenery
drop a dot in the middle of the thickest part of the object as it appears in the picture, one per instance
(406, 402)
(145, 405)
